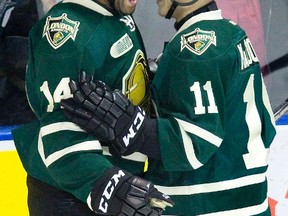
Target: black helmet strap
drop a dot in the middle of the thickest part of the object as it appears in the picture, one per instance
(175, 4)
(209, 7)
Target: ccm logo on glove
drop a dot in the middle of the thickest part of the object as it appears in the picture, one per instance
(109, 189)
(138, 121)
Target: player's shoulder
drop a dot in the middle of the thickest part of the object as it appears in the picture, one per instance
(73, 16)
(232, 29)
(65, 26)
(77, 11)
(206, 39)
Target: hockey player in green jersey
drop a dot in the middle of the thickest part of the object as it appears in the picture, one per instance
(210, 141)
(69, 172)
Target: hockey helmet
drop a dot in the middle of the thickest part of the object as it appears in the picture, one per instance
(175, 3)
(174, 6)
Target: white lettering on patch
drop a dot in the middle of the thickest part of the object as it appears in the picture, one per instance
(58, 30)
(122, 46)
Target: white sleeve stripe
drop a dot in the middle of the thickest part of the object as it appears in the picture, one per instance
(189, 150)
(137, 156)
(212, 187)
(60, 126)
(250, 210)
(84, 146)
(52, 128)
(200, 132)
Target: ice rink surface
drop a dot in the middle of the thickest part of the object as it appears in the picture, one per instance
(277, 172)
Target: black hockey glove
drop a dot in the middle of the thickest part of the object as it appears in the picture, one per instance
(120, 193)
(107, 114)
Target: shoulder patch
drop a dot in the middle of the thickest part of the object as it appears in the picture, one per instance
(60, 29)
(122, 46)
(198, 41)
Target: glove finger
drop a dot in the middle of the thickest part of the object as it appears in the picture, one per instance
(73, 86)
(102, 85)
(99, 88)
(102, 89)
(120, 99)
(75, 119)
(85, 77)
(86, 88)
(72, 108)
(77, 111)
(77, 92)
(88, 85)
(83, 113)
(95, 98)
(160, 200)
(92, 91)
(68, 104)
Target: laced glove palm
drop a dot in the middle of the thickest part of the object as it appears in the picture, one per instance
(106, 114)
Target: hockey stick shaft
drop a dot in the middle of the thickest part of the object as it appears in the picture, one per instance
(281, 110)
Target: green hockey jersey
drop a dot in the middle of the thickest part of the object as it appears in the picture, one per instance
(78, 35)
(215, 122)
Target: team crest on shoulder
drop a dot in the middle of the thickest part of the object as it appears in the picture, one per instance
(60, 29)
(198, 41)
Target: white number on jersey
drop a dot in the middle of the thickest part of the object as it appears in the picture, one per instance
(62, 91)
(257, 153)
(200, 109)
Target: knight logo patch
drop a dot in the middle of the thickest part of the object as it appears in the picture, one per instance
(60, 29)
(135, 81)
(198, 41)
